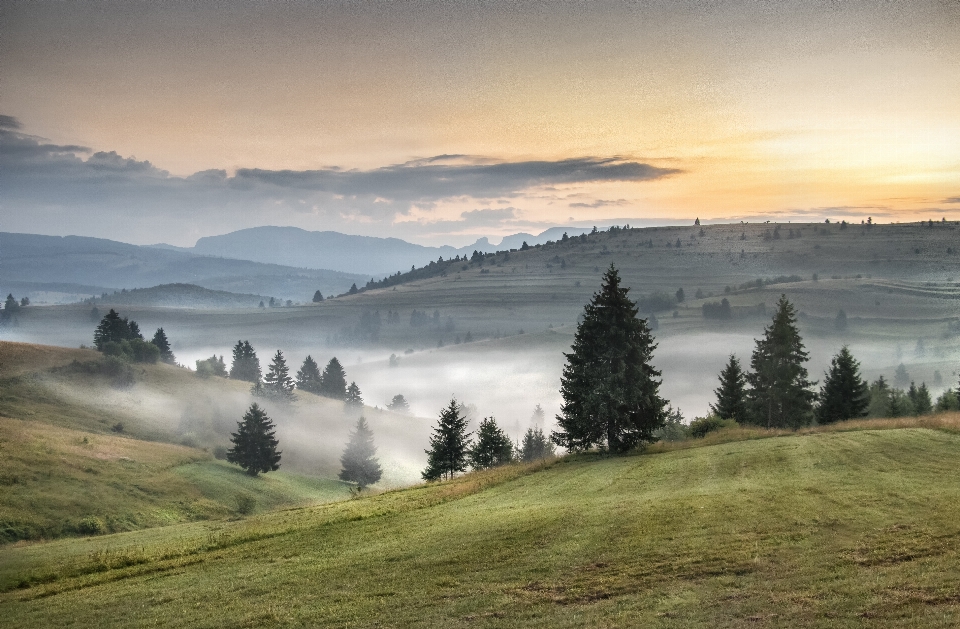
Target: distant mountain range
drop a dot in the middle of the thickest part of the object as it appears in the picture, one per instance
(75, 267)
(366, 255)
(282, 262)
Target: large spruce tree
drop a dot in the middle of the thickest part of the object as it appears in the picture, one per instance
(492, 447)
(359, 460)
(277, 383)
(354, 399)
(333, 382)
(610, 390)
(732, 394)
(114, 329)
(254, 444)
(780, 395)
(449, 444)
(246, 365)
(308, 377)
(160, 340)
(844, 394)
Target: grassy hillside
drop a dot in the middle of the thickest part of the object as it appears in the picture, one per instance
(179, 296)
(80, 456)
(820, 529)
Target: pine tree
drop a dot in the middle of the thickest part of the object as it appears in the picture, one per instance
(353, 400)
(780, 395)
(399, 404)
(539, 416)
(359, 461)
(333, 382)
(732, 394)
(246, 365)
(160, 340)
(492, 447)
(277, 382)
(317, 297)
(610, 389)
(254, 444)
(308, 377)
(113, 329)
(535, 446)
(920, 398)
(449, 445)
(844, 394)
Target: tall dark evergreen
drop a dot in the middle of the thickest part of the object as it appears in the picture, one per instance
(254, 444)
(308, 377)
(277, 383)
(611, 392)
(246, 365)
(844, 393)
(732, 394)
(920, 399)
(449, 445)
(160, 340)
(359, 458)
(492, 447)
(317, 297)
(353, 400)
(780, 395)
(113, 328)
(333, 382)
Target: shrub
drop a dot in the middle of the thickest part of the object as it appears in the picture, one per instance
(90, 525)
(701, 426)
(245, 504)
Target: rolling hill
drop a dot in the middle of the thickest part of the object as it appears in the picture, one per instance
(819, 529)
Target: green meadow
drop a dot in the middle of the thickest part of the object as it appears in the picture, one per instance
(825, 528)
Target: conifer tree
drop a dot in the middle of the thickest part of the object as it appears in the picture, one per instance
(254, 444)
(114, 329)
(333, 382)
(399, 404)
(246, 365)
(539, 416)
(535, 446)
(610, 390)
(359, 460)
(308, 377)
(779, 395)
(353, 400)
(278, 383)
(449, 444)
(732, 394)
(920, 399)
(844, 394)
(492, 447)
(317, 297)
(160, 340)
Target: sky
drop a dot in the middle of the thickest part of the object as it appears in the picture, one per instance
(440, 122)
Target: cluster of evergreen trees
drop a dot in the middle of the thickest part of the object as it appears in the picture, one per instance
(452, 450)
(116, 336)
(11, 307)
(777, 393)
(278, 383)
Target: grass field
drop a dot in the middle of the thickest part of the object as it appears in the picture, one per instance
(80, 457)
(827, 528)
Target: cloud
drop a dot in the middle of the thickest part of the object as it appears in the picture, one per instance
(600, 203)
(488, 217)
(75, 189)
(429, 180)
(952, 200)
